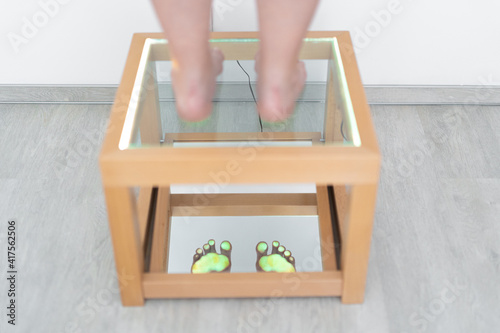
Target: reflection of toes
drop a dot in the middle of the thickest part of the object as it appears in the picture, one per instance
(261, 251)
(211, 245)
(262, 248)
(280, 259)
(288, 256)
(197, 255)
(276, 244)
(225, 249)
(207, 260)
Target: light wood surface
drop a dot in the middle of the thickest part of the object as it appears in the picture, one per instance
(159, 255)
(247, 50)
(356, 243)
(126, 243)
(326, 230)
(143, 204)
(230, 285)
(251, 199)
(436, 224)
(338, 165)
(249, 204)
(244, 210)
(341, 202)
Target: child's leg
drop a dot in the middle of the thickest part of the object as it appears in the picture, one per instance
(195, 66)
(283, 25)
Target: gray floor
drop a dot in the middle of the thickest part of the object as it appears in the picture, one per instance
(434, 264)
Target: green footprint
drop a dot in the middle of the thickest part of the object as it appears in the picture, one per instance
(207, 260)
(280, 259)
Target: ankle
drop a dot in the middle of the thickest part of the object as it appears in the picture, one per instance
(198, 61)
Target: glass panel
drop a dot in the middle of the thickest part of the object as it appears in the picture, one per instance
(323, 113)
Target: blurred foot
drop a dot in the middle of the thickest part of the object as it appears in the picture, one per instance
(194, 86)
(278, 89)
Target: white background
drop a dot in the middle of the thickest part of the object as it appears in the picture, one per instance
(423, 42)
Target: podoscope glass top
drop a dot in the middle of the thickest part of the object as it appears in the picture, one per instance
(323, 113)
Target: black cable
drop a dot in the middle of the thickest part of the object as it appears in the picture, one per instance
(342, 130)
(251, 90)
(255, 100)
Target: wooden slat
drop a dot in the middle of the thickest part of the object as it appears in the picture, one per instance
(341, 202)
(240, 199)
(159, 247)
(244, 204)
(357, 94)
(220, 285)
(327, 164)
(325, 230)
(247, 50)
(143, 204)
(245, 136)
(244, 210)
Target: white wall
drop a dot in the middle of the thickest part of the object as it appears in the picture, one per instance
(85, 42)
(422, 42)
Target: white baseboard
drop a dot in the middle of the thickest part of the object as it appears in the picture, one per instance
(238, 91)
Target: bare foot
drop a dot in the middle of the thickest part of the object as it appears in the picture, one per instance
(278, 89)
(194, 87)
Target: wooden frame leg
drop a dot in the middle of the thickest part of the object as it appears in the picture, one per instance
(159, 250)
(325, 227)
(356, 242)
(124, 227)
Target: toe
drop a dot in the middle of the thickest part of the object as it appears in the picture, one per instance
(281, 250)
(291, 260)
(211, 246)
(276, 245)
(287, 254)
(197, 255)
(262, 248)
(206, 248)
(226, 248)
